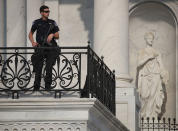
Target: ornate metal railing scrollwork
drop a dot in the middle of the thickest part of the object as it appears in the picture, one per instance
(16, 69)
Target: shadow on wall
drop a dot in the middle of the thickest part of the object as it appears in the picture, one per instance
(86, 10)
(88, 17)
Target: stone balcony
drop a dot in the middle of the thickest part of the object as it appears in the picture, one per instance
(49, 114)
(81, 97)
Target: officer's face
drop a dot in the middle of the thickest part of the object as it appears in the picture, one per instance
(45, 13)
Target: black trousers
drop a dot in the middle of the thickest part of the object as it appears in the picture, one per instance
(38, 58)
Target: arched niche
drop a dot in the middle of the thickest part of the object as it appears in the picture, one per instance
(158, 18)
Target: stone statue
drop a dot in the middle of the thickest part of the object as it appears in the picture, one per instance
(152, 76)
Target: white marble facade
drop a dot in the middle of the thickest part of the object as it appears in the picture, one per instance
(15, 23)
(2, 23)
(115, 33)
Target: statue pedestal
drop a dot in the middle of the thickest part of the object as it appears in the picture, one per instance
(128, 106)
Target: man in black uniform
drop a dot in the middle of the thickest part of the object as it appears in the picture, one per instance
(47, 32)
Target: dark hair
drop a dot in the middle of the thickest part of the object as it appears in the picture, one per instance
(43, 7)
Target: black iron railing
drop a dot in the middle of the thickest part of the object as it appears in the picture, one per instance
(100, 81)
(77, 69)
(152, 124)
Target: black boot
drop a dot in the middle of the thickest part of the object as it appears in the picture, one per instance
(36, 87)
(47, 87)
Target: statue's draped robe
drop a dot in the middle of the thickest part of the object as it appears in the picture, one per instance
(150, 85)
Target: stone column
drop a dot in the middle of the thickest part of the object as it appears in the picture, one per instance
(111, 21)
(2, 23)
(111, 33)
(111, 37)
(15, 23)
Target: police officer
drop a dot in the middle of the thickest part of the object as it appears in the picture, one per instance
(47, 32)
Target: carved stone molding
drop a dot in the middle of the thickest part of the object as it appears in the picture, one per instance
(39, 126)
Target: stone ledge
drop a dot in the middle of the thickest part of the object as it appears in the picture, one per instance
(65, 110)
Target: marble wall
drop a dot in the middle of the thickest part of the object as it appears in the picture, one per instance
(158, 19)
(76, 26)
(75, 22)
(15, 30)
(32, 13)
(2, 23)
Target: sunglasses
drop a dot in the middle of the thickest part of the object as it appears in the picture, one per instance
(46, 11)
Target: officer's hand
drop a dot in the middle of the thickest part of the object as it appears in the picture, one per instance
(34, 44)
(50, 37)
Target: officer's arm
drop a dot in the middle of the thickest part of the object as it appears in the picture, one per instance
(55, 31)
(31, 39)
(56, 35)
(33, 29)
(51, 36)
